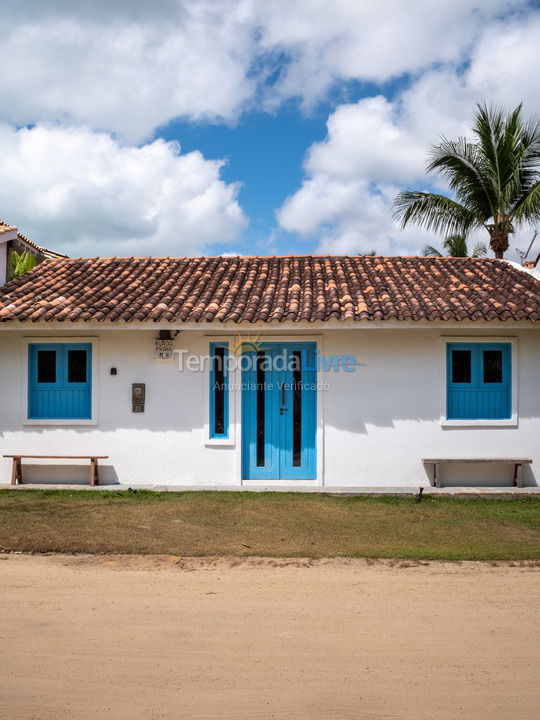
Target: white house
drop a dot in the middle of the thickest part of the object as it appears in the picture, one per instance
(303, 372)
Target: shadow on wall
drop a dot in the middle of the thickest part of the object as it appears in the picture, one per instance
(480, 475)
(74, 472)
(375, 397)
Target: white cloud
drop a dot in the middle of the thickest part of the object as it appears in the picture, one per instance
(123, 70)
(349, 217)
(504, 64)
(369, 40)
(130, 67)
(375, 147)
(83, 192)
(368, 135)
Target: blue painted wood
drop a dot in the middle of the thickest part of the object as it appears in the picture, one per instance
(250, 397)
(279, 461)
(61, 399)
(308, 395)
(478, 399)
(213, 432)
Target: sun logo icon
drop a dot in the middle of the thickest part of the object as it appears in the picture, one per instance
(245, 343)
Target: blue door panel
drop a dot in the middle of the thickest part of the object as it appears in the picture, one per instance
(260, 464)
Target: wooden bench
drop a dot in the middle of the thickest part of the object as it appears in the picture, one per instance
(16, 473)
(516, 462)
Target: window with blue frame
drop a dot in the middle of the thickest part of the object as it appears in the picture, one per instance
(479, 381)
(219, 391)
(60, 381)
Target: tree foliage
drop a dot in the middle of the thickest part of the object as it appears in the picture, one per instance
(20, 262)
(456, 246)
(494, 179)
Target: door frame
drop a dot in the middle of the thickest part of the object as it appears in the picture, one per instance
(235, 420)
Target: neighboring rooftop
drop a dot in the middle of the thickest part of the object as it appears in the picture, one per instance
(48, 254)
(271, 289)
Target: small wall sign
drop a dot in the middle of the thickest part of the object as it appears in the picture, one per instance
(163, 349)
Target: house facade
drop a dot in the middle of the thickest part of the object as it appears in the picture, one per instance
(299, 372)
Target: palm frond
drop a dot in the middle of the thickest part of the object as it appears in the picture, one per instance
(459, 163)
(456, 246)
(434, 212)
(528, 175)
(527, 208)
(431, 251)
(479, 250)
(494, 133)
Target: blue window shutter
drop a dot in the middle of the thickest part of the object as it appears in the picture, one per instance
(484, 393)
(60, 381)
(219, 391)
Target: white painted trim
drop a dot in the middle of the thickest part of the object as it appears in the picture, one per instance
(512, 341)
(304, 327)
(28, 340)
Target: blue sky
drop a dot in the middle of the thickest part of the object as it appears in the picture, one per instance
(297, 122)
(264, 152)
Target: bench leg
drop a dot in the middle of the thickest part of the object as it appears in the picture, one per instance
(16, 472)
(94, 472)
(518, 480)
(437, 475)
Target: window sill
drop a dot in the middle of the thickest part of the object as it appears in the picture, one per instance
(220, 442)
(66, 422)
(511, 422)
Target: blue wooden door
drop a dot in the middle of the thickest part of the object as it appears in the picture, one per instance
(279, 412)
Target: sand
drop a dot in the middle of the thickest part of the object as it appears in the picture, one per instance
(162, 637)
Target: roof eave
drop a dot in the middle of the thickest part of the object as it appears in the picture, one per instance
(268, 327)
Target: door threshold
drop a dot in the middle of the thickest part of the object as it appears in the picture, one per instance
(311, 482)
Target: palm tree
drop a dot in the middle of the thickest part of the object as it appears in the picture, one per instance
(495, 180)
(456, 246)
(20, 263)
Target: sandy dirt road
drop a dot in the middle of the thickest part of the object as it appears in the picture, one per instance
(160, 637)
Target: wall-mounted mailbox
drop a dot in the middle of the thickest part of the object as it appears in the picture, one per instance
(138, 394)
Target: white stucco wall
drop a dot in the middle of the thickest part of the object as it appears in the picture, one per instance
(375, 424)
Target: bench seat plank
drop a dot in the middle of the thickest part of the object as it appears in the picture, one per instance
(60, 457)
(476, 460)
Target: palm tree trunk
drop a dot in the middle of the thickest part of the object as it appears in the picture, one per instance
(498, 240)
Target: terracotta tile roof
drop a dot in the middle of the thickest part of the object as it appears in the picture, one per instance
(271, 289)
(50, 254)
